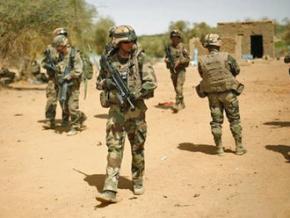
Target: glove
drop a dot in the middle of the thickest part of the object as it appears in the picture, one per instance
(109, 84)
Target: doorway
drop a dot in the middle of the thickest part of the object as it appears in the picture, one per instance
(257, 49)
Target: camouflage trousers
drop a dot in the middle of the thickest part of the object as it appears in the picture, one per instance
(178, 80)
(51, 103)
(119, 124)
(70, 109)
(228, 102)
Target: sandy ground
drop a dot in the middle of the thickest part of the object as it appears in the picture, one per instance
(46, 174)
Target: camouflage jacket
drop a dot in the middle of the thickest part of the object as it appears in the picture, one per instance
(77, 64)
(49, 51)
(180, 56)
(138, 76)
(218, 71)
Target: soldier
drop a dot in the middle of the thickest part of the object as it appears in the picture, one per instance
(50, 54)
(218, 71)
(140, 79)
(69, 67)
(177, 59)
(287, 60)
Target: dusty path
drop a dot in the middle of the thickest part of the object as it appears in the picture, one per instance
(47, 174)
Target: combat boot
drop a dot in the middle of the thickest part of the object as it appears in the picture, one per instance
(108, 197)
(240, 150)
(50, 124)
(73, 131)
(82, 120)
(219, 146)
(177, 107)
(138, 189)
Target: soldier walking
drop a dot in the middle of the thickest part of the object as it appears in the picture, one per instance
(177, 60)
(50, 57)
(124, 118)
(69, 68)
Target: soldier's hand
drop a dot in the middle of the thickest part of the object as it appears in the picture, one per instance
(67, 77)
(176, 64)
(109, 84)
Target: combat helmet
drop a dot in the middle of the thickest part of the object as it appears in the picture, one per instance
(124, 33)
(111, 31)
(175, 33)
(212, 39)
(60, 40)
(60, 31)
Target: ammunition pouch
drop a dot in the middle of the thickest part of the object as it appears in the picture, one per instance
(200, 92)
(239, 89)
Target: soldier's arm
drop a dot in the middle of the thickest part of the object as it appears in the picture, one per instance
(199, 68)
(184, 57)
(101, 77)
(78, 66)
(149, 81)
(233, 66)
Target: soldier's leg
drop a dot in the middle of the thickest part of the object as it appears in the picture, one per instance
(179, 89)
(77, 116)
(115, 139)
(51, 103)
(216, 110)
(233, 115)
(137, 130)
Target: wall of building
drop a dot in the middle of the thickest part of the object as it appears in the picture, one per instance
(236, 37)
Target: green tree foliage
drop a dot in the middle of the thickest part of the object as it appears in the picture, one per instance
(26, 26)
(154, 45)
(101, 33)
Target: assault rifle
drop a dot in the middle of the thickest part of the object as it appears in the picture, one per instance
(124, 94)
(49, 63)
(64, 84)
(170, 59)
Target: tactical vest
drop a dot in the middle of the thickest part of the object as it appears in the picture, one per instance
(179, 53)
(215, 76)
(130, 72)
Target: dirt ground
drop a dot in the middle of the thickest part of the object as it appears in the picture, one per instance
(46, 174)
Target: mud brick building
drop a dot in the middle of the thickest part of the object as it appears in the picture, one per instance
(242, 39)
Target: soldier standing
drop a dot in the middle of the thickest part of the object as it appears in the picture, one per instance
(218, 71)
(177, 59)
(140, 79)
(50, 55)
(69, 67)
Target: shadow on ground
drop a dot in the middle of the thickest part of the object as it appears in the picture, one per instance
(278, 123)
(202, 148)
(282, 149)
(59, 129)
(97, 180)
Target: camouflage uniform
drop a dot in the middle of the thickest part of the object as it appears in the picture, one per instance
(218, 71)
(52, 86)
(71, 106)
(141, 81)
(181, 61)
